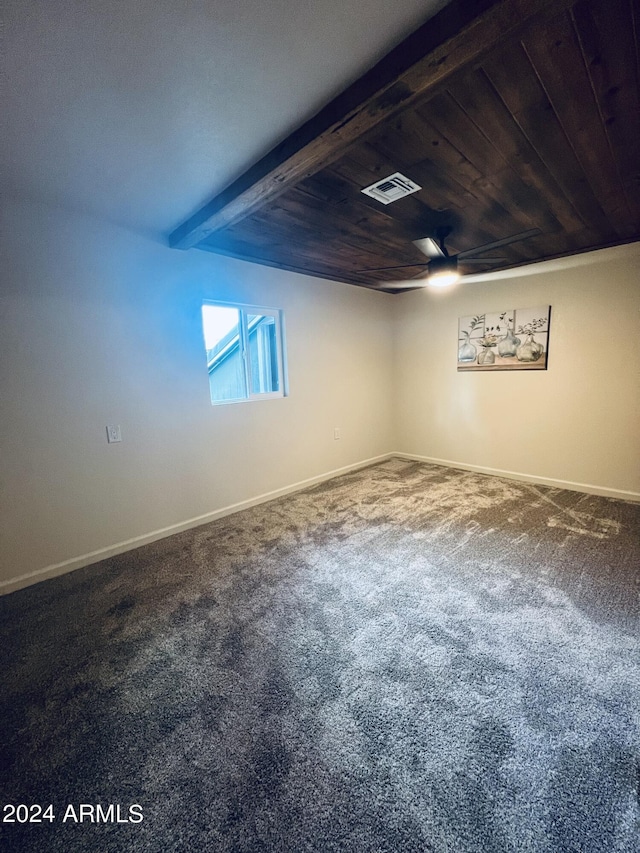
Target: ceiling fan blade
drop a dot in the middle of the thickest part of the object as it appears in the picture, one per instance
(481, 260)
(396, 285)
(524, 235)
(404, 284)
(401, 267)
(429, 247)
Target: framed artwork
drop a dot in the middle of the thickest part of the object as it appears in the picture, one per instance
(517, 339)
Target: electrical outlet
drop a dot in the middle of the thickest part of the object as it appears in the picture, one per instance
(114, 434)
(336, 433)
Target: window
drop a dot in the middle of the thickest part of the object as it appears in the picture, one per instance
(244, 352)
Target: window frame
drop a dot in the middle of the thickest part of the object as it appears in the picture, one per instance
(244, 311)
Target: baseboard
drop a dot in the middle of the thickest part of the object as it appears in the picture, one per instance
(70, 565)
(588, 488)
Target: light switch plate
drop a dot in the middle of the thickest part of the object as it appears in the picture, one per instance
(114, 433)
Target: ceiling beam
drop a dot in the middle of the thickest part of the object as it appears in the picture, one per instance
(461, 34)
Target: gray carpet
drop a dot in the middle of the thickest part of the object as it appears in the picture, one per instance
(405, 658)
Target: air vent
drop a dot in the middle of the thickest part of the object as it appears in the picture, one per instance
(391, 189)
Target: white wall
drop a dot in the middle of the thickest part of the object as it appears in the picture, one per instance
(577, 422)
(100, 326)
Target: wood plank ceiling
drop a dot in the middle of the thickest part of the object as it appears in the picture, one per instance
(510, 115)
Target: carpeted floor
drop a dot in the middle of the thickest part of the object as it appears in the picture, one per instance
(406, 658)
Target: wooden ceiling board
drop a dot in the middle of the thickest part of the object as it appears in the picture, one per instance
(554, 51)
(479, 220)
(407, 219)
(512, 75)
(527, 117)
(610, 56)
(278, 233)
(304, 216)
(413, 218)
(499, 193)
(483, 105)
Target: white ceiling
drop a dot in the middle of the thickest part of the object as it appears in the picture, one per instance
(139, 111)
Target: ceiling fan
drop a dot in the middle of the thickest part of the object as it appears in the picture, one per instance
(442, 268)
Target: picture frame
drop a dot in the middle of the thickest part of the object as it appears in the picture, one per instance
(515, 339)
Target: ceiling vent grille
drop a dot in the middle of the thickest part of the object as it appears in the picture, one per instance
(392, 188)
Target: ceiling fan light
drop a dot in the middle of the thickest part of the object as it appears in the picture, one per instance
(443, 272)
(443, 279)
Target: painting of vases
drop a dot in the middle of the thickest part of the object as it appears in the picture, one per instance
(516, 339)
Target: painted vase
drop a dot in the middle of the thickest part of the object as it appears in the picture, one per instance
(508, 345)
(467, 351)
(530, 350)
(487, 355)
